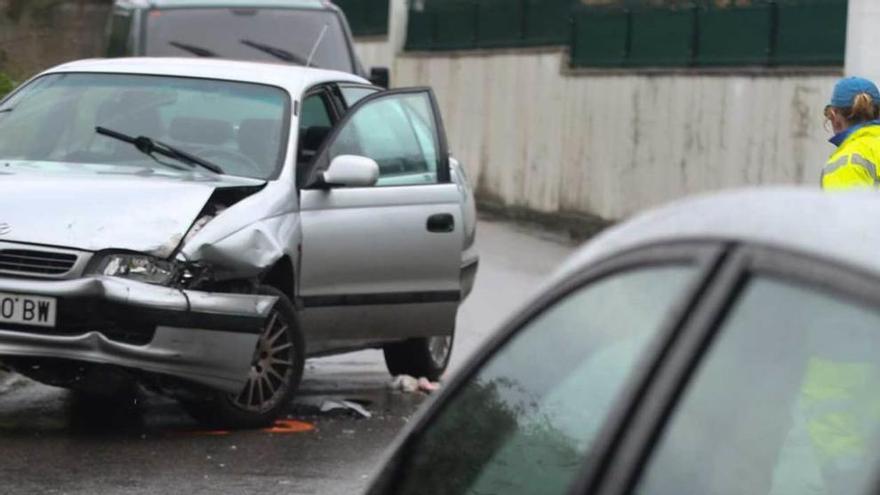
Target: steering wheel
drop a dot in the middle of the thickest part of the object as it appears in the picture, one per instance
(226, 156)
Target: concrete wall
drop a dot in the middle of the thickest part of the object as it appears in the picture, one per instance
(535, 135)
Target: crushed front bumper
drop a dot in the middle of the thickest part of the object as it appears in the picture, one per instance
(206, 338)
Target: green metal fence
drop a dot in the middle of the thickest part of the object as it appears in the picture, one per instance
(736, 36)
(641, 33)
(811, 33)
(600, 39)
(366, 17)
(478, 24)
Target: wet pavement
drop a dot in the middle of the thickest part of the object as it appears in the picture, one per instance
(54, 442)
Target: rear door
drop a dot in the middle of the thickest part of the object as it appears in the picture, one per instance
(530, 408)
(773, 388)
(383, 262)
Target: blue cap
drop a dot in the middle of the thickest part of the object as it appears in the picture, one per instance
(846, 90)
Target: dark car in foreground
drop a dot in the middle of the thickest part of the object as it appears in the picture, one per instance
(721, 345)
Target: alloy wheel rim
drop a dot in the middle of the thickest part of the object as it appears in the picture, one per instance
(439, 347)
(271, 368)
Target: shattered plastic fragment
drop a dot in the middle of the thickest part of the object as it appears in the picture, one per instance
(428, 386)
(287, 426)
(409, 384)
(333, 405)
(404, 383)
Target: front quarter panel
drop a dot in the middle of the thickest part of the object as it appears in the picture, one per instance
(250, 236)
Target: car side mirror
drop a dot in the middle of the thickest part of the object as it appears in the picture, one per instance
(349, 171)
(380, 76)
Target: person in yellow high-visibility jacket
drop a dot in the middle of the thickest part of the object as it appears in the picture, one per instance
(853, 113)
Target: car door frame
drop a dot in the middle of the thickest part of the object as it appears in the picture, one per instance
(707, 256)
(444, 172)
(336, 113)
(342, 102)
(627, 449)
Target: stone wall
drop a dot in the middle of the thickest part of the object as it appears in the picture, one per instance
(37, 34)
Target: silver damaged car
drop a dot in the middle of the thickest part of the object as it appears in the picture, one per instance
(201, 227)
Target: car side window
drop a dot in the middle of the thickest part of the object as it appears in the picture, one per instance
(786, 402)
(525, 422)
(397, 131)
(315, 125)
(315, 112)
(353, 94)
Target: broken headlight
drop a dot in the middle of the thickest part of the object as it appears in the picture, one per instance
(138, 267)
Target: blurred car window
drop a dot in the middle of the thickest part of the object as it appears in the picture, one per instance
(394, 132)
(53, 119)
(787, 401)
(525, 422)
(314, 113)
(234, 33)
(315, 125)
(354, 94)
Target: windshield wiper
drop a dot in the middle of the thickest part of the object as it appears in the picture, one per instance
(279, 53)
(149, 146)
(195, 50)
(6, 110)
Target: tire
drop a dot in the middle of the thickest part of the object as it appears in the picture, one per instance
(415, 357)
(250, 408)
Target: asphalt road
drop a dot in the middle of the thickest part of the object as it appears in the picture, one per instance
(50, 442)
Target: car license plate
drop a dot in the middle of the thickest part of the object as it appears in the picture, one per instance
(27, 310)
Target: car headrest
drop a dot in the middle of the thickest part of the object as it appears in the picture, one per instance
(200, 131)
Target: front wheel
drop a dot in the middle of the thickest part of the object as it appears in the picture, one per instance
(274, 375)
(425, 357)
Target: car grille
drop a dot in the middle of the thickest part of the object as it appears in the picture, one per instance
(36, 262)
(78, 316)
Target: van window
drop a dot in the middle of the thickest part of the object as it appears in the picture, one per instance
(276, 35)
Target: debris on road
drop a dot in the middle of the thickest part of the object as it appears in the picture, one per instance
(428, 386)
(345, 405)
(404, 383)
(286, 426)
(409, 384)
(11, 381)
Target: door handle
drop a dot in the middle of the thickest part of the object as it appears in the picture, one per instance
(441, 223)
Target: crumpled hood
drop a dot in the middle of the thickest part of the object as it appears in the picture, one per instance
(92, 212)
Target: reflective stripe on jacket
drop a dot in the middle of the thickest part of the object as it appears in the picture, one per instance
(854, 164)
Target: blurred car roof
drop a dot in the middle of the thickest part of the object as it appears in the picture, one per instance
(295, 79)
(841, 227)
(165, 4)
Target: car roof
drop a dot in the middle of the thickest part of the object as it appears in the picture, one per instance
(294, 79)
(170, 4)
(840, 227)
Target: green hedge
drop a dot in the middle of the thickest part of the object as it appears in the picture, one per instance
(6, 84)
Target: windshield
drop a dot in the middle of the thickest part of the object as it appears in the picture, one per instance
(250, 34)
(237, 126)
